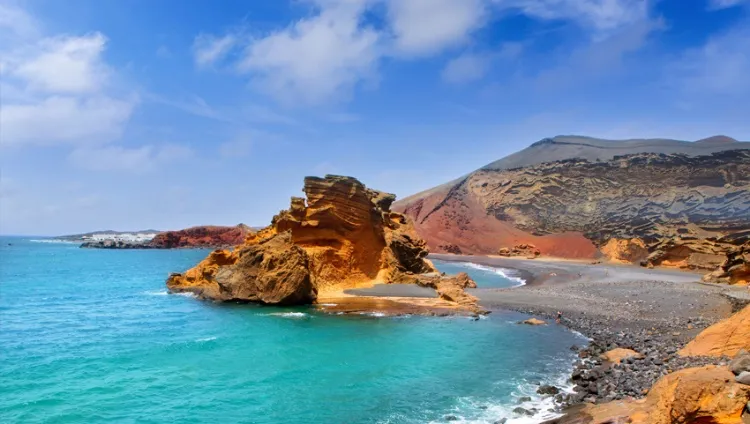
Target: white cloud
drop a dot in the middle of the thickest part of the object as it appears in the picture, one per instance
(724, 4)
(424, 27)
(317, 58)
(465, 68)
(601, 15)
(16, 24)
(57, 90)
(65, 65)
(136, 160)
(209, 49)
(62, 119)
(721, 66)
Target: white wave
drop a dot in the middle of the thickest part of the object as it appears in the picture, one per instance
(156, 293)
(373, 314)
(471, 411)
(295, 315)
(581, 335)
(56, 241)
(503, 272)
(205, 339)
(327, 305)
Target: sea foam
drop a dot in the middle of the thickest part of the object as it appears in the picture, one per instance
(503, 272)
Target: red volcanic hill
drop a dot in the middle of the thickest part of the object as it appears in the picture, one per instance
(568, 196)
(202, 236)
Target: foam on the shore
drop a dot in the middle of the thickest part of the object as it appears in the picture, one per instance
(472, 411)
(503, 272)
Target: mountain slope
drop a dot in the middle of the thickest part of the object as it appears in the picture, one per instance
(569, 195)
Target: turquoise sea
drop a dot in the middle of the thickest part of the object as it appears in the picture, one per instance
(91, 336)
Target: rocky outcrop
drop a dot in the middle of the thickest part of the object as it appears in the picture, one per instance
(342, 235)
(526, 250)
(201, 237)
(735, 268)
(725, 338)
(575, 206)
(694, 395)
(115, 244)
(626, 251)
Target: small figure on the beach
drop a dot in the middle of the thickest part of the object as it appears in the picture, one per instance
(559, 317)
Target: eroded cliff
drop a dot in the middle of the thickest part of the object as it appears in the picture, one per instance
(342, 235)
(687, 209)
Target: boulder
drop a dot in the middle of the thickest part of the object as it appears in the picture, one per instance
(725, 338)
(533, 321)
(618, 354)
(741, 362)
(743, 378)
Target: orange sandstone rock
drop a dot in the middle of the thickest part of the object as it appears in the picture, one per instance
(618, 354)
(342, 235)
(726, 337)
(625, 250)
(693, 395)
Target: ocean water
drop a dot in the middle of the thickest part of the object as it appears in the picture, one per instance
(484, 276)
(91, 336)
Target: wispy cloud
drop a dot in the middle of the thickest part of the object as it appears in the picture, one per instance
(208, 49)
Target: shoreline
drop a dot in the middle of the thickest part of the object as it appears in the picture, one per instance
(652, 311)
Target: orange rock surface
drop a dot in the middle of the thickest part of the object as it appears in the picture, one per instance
(625, 250)
(693, 395)
(726, 337)
(342, 235)
(618, 354)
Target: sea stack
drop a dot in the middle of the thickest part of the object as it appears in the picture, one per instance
(341, 236)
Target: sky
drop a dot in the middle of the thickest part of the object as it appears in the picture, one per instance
(166, 114)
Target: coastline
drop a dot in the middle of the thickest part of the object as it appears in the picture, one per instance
(652, 311)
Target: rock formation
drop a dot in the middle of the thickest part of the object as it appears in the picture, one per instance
(342, 235)
(725, 338)
(693, 395)
(681, 208)
(524, 249)
(204, 236)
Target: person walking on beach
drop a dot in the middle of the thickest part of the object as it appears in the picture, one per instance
(559, 317)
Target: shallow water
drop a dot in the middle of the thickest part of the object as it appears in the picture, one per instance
(92, 336)
(484, 276)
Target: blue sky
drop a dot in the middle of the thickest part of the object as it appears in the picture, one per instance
(166, 114)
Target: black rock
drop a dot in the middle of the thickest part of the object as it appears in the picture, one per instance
(522, 411)
(548, 390)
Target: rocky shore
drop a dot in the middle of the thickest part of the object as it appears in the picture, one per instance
(637, 320)
(202, 237)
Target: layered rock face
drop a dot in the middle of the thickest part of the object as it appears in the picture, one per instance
(342, 235)
(203, 236)
(684, 207)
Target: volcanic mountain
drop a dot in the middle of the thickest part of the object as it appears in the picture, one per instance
(569, 196)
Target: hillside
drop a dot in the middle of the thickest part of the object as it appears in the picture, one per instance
(568, 196)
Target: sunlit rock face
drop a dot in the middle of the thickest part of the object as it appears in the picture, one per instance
(342, 235)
